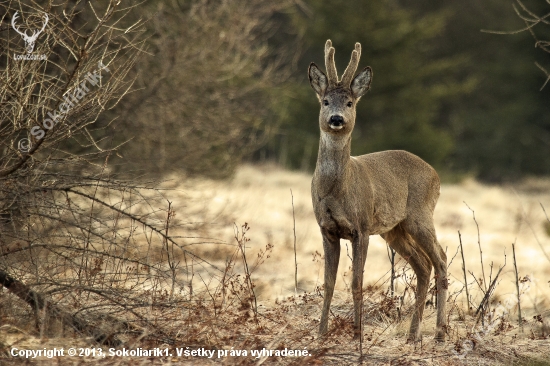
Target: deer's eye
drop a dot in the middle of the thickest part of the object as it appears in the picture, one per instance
(350, 104)
(325, 102)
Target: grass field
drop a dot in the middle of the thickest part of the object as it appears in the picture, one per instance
(261, 197)
(218, 312)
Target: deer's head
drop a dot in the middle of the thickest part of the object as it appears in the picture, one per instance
(29, 40)
(339, 98)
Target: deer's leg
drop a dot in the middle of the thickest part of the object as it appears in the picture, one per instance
(442, 286)
(424, 235)
(360, 245)
(331, 246)
(422, 267)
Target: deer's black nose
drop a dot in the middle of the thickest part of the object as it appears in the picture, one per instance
(336, 120)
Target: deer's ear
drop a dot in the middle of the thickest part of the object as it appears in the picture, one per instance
(361, 83)
(317, 79)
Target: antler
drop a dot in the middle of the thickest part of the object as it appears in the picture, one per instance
(352, 67)
(330, 64)
(36, 33)
(46, 18)
(347, 77)
(15, 16)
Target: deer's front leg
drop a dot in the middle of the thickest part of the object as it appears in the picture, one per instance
(360, 245)
(331, 246)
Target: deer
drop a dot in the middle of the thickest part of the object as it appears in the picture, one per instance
(389, 193)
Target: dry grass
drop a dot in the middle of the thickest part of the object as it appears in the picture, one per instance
(261, 197)
(219, 311)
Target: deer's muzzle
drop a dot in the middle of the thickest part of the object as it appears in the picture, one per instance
(336, 122)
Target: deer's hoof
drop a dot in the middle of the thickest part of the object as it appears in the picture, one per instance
(414, 339)
(440, 334)
(440, 337)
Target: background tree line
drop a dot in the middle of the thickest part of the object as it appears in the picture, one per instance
(223, 81)
(464, 100)
(227, 80)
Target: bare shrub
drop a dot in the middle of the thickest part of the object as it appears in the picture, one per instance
(69, 243)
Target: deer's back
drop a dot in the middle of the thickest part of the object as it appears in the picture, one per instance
(400, 184)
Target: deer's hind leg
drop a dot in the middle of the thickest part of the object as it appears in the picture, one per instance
(423, 232)
(403, 244)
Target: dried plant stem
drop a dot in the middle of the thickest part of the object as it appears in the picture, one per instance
(482, 309)
(170, 248)
(391, 257)
(242, 243)
(479, 245)
(464, 272)
(517, 287)
(295, 259)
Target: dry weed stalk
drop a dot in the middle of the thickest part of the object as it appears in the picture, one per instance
(484, 304)
(464, 273)
(295, 257)
(517, 286)
(479, 245)
(241, 242)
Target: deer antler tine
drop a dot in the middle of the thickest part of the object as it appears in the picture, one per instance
(13, 19)
(330, 64)
(352, 67)
(46, 18)
(328, 45)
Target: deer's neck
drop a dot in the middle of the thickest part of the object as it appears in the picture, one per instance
(333, 159)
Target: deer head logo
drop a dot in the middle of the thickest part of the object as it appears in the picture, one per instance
(29, 40)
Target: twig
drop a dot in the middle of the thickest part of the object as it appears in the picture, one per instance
(242, 243)
(483, 305)
(295, 259)
(477, 281)
(392, 262)
(517, 287)
(479, 245)
(464, 272)
(453, 258)
(170, 248)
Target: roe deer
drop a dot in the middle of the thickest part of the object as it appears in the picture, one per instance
(390, 193)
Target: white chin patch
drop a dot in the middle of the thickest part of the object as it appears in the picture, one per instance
(336, 127)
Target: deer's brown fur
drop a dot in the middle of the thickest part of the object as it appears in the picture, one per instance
(390, 193)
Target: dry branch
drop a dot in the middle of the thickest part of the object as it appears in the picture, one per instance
(40, 302)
